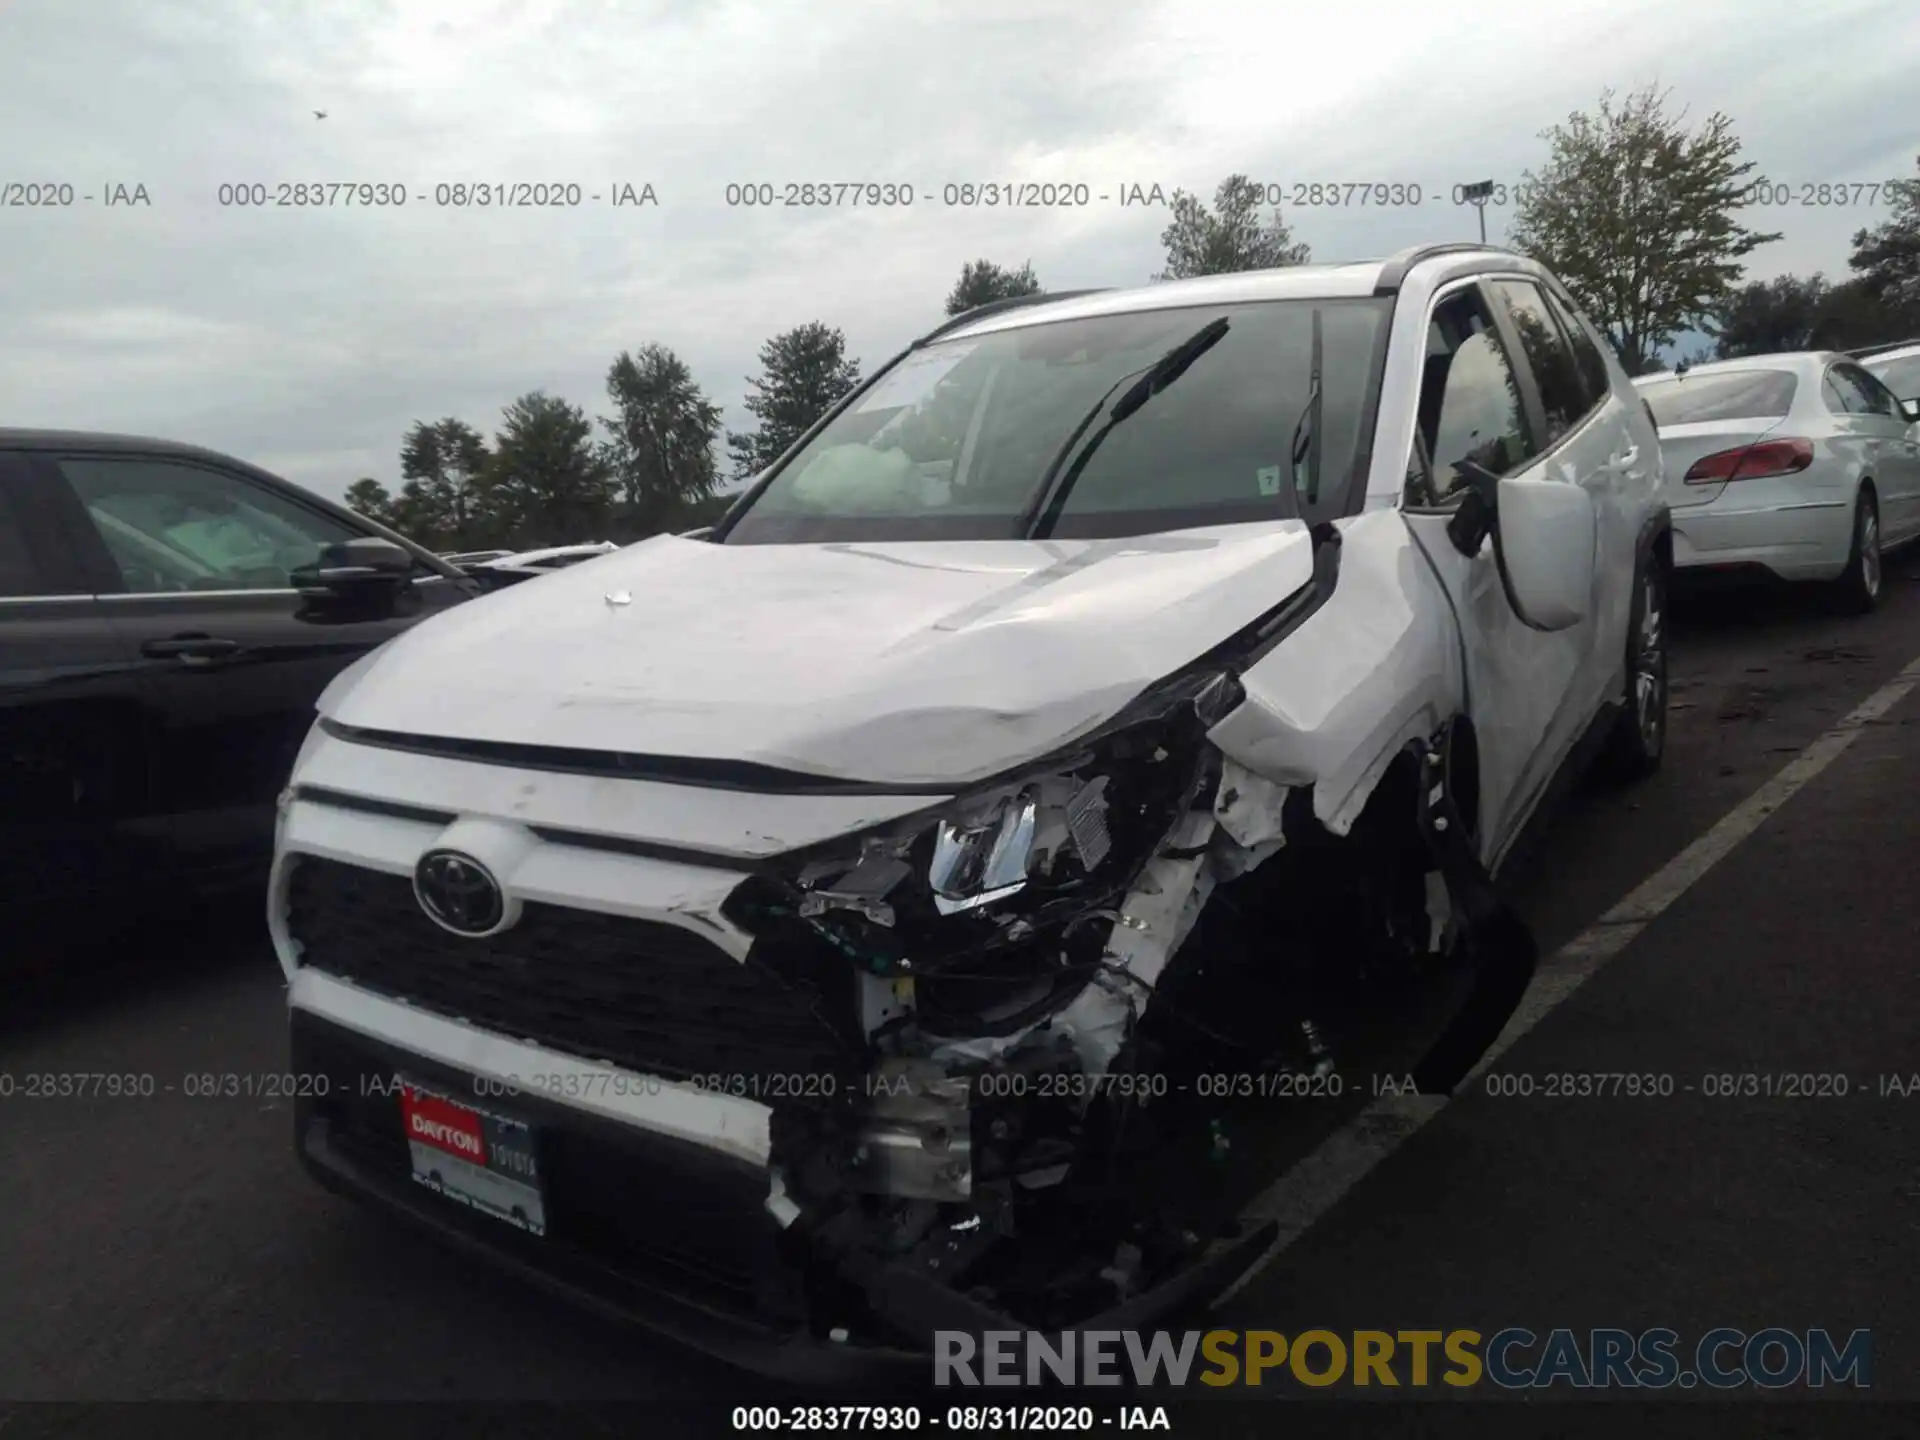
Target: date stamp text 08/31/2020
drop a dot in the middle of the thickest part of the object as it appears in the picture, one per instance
(1140, 1087)
(55, 193)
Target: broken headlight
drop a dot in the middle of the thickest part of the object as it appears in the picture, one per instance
(1060, 837)
(989, 852)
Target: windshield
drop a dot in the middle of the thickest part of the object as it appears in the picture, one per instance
(1901, 376)
(954, 441)
(1731, 395)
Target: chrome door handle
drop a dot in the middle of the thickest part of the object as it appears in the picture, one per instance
(1625, 459)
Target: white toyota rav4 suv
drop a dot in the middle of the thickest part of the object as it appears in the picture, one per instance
(897, 910)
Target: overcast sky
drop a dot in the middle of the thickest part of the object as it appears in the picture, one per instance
(306, 340)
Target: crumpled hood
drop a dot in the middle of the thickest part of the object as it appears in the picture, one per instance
(918, 663)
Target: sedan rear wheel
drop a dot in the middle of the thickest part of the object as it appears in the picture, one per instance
(1859, 585)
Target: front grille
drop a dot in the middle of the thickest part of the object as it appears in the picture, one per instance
(635, 993)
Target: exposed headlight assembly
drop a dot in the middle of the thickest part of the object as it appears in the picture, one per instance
(976, 862)
(1062, 835)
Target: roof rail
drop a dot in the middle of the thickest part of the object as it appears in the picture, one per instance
(994, 307)
(1865, 350)
(1395, 270)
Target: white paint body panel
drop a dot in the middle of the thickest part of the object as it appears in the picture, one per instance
(729, 823)
(1531, 694)
(1376, 665)
(928, 663)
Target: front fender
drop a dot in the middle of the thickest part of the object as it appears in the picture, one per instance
(1376, 666)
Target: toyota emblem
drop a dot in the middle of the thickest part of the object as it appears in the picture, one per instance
(458, 893)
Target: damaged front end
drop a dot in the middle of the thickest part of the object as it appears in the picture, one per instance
(1097, 1005)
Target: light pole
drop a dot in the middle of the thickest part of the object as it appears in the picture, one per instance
(1477, 194)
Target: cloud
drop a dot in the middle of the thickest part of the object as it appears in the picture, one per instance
(308, 339)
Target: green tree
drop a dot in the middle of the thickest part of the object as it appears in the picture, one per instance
(1853, 315)
(1887, 257)
(662, 434)
(1232, 237)
(1765, 317)
(548, 482)
(413, 515)
(445, 463)
(367, 496)
(804, 371)
(1639, 216)
(982, 282)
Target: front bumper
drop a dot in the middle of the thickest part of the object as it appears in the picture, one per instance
(666, 1201)
(644, 1230)
(1779, 524)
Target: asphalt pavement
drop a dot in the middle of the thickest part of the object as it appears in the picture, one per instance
(168, 1247)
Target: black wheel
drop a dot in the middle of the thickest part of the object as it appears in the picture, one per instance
(1858, 588)
(1639, 736)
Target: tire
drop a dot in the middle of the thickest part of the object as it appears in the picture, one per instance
(1639, 737)
(1858, 588)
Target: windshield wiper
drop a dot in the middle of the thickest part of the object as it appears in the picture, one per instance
(1045, 510)
(1306, 486)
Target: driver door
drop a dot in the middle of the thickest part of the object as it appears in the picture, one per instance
(194, 561)
(1524, 686)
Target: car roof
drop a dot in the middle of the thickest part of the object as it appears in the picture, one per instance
(1800, 362)
(1894, 352)
(21, 439)
(1354, 279)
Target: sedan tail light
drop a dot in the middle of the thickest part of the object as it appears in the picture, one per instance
(1751, 462)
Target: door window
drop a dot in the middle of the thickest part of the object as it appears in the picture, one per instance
(176, 526)
(1593, 366)
(1901, 376)
(1469, 402)
(1855, 398)
(1878, 396)
(1563, 394)
(20, 573)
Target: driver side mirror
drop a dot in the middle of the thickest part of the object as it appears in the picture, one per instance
(1911, 410)
(1543, 538)
(365, 571)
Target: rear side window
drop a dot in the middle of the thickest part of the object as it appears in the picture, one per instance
(1593, 366)
(1735, 395)
(1902, 377)
(1872, 397)
(20, 574)
(1563, 395)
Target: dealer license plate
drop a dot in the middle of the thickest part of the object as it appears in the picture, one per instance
(474, 1156)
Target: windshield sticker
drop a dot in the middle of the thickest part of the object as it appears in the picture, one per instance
(1269, 478)
(914, 378)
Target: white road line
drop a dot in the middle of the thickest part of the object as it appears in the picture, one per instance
(1317, 1183)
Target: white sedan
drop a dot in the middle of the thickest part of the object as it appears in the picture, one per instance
(1802, 465)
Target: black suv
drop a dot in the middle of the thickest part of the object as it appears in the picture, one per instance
(168, 617)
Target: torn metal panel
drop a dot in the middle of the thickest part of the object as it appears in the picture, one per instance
(1149, 927)
(1249, 805)
(1377, 665)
